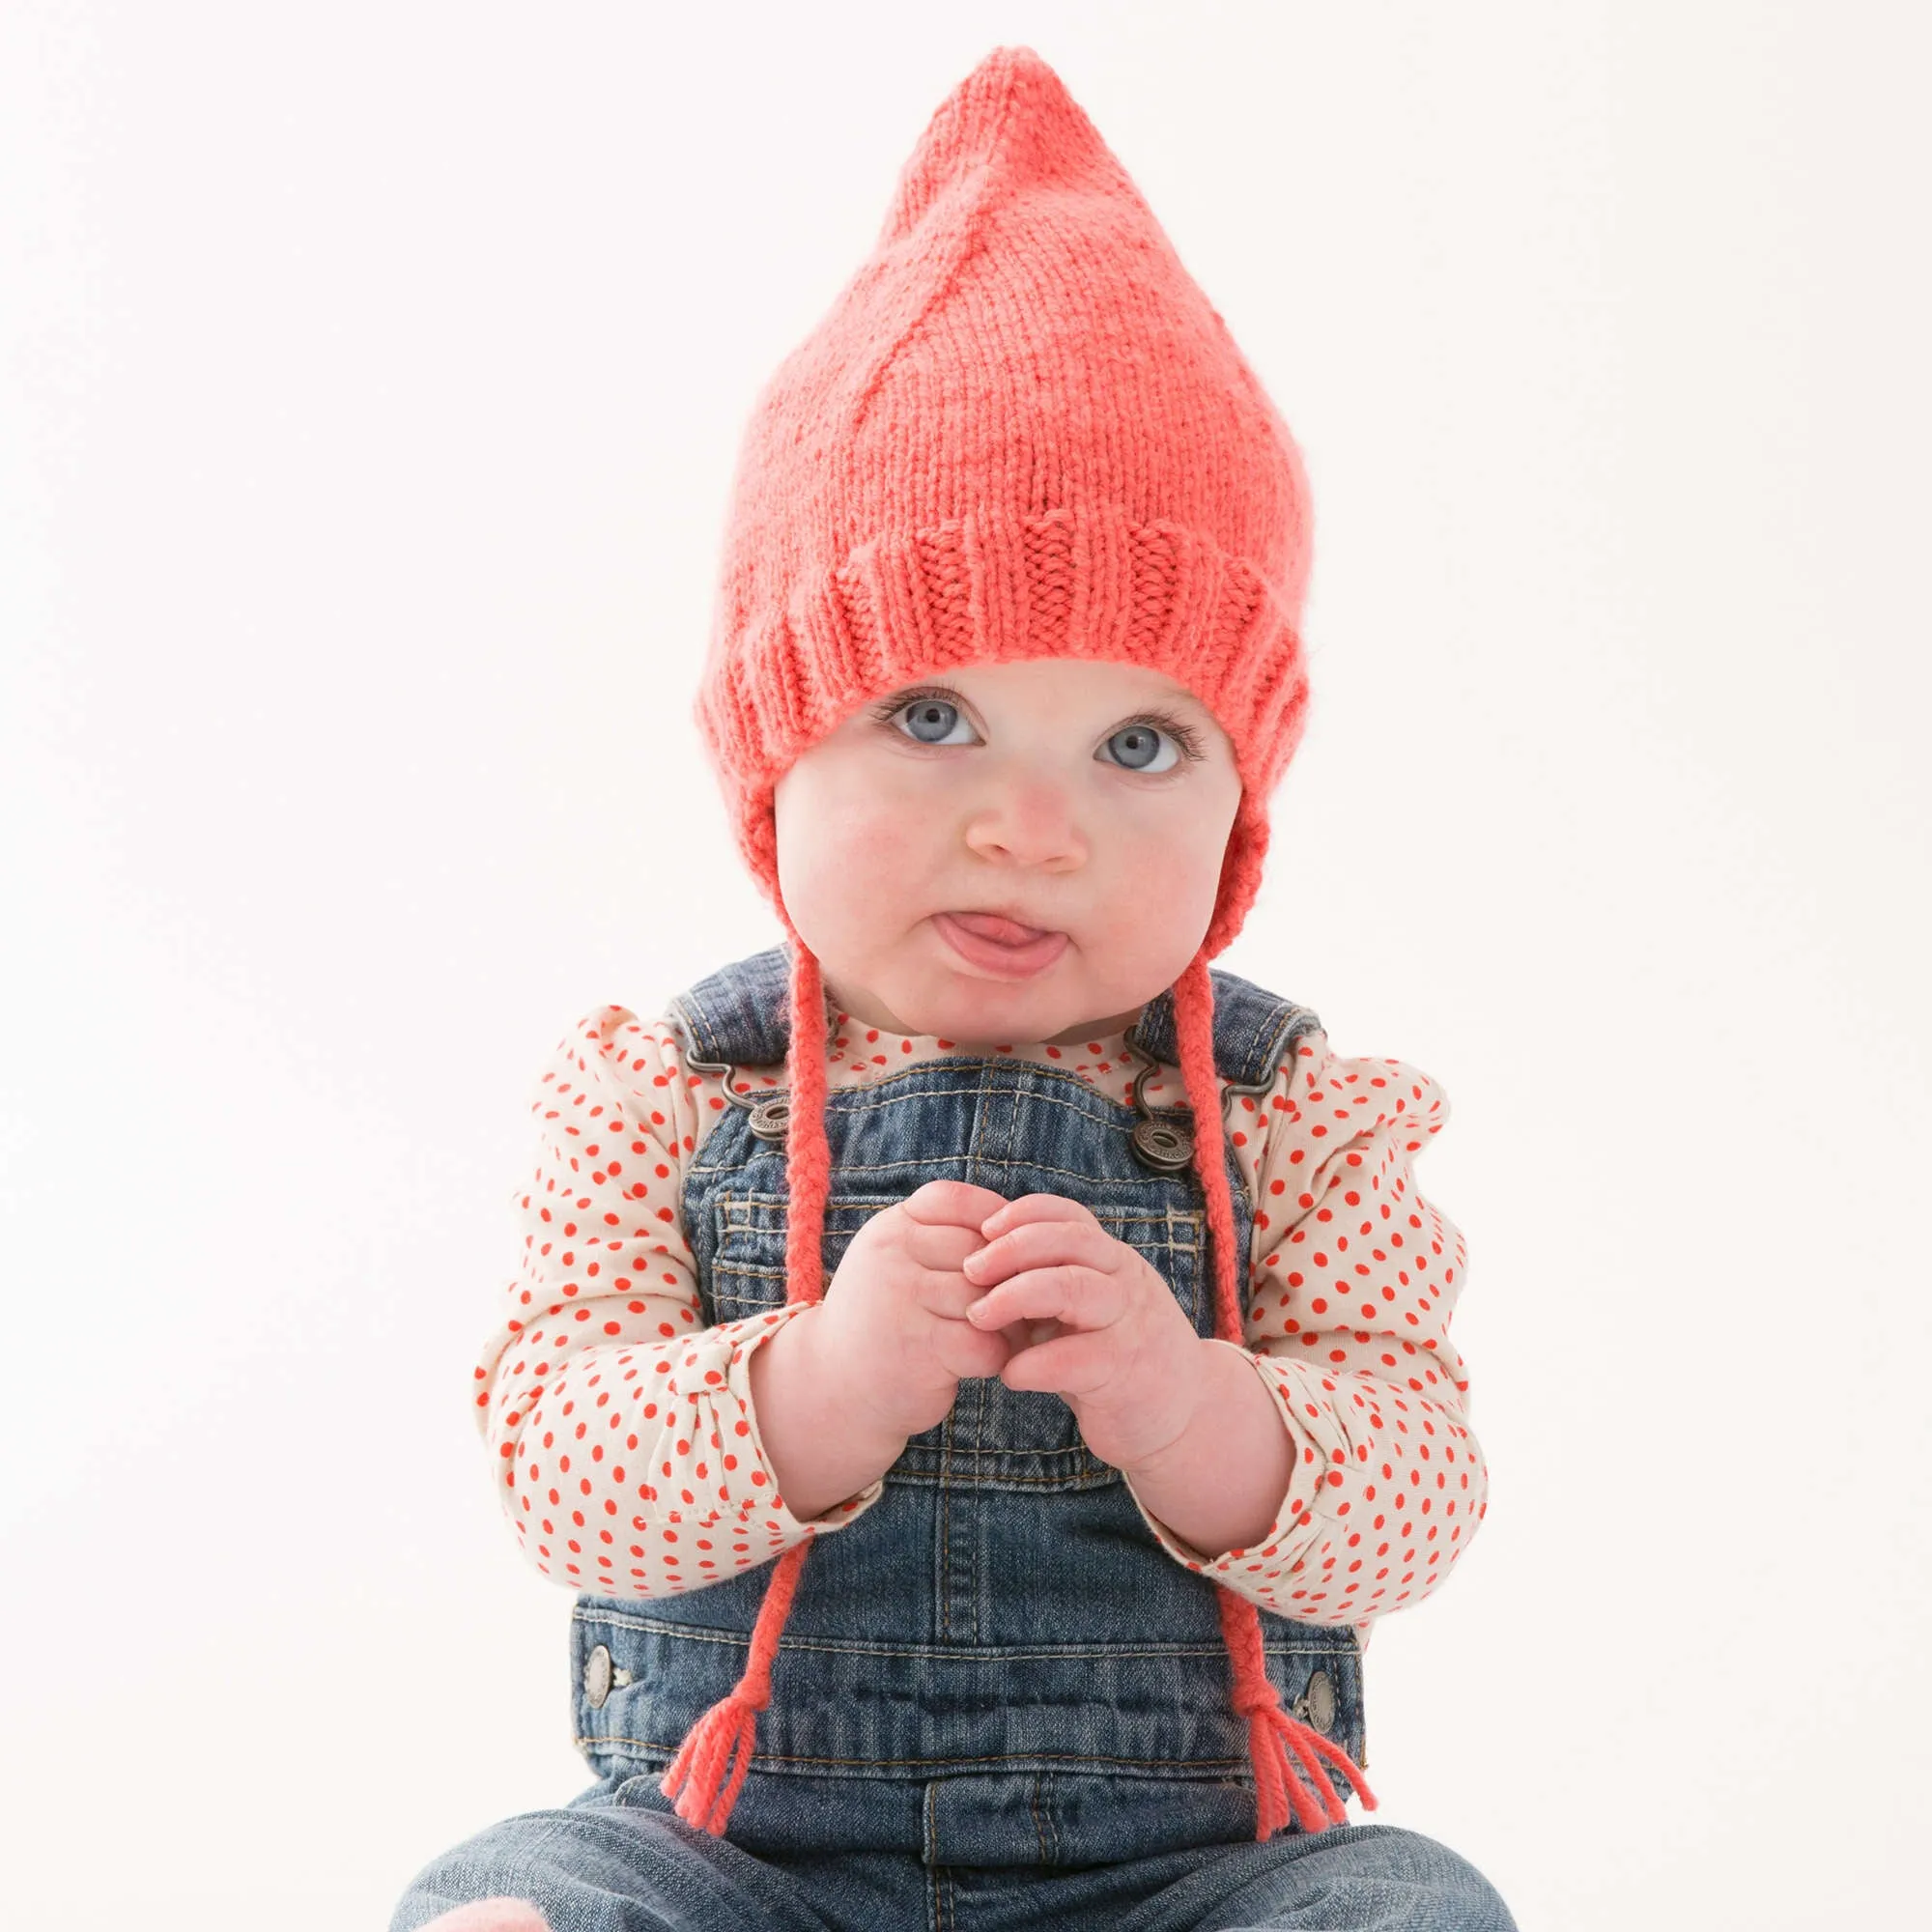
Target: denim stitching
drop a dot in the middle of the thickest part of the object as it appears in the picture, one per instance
(1043, 1830)
(1283, 1647)
(1012, 1762)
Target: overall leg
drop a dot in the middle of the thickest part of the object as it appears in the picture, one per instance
(1363, 1878)
(1351, 1878)
(607, 1868)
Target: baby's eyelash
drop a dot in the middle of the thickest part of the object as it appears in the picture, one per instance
(1184, 733)
(1165, 721)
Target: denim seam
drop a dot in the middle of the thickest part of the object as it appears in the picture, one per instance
(727, 1197)
(945, 1488)
(1264, 1021)
(1042, 1827)
(1192, 1218)
(933, 1652)
(992, 1477)
(1012, 1760)
(700, 1030)
(945, 1901)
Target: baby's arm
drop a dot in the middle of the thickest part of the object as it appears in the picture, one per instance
(621, 1431)
(1220, 1485)
(1354, 1278)
(815, 1447)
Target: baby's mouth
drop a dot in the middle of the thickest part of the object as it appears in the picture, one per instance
(998, 945)
(997, 928)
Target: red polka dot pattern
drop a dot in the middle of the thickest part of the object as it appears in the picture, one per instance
(624, 1433)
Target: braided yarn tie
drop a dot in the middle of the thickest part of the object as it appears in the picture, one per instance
(1272, 1733)
(730, 1726)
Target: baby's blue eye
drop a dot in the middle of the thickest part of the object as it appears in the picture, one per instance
(1144, 745)
(932, 718)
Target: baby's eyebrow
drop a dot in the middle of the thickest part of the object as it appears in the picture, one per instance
(1186, 700)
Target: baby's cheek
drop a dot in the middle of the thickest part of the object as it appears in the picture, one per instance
(875, 852)
(874, 847)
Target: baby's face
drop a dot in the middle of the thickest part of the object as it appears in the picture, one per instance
(1091, 799)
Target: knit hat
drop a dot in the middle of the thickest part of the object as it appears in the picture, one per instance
(1021, 431)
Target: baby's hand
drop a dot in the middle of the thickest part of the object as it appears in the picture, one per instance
(1124, 1354)
(894, 1315)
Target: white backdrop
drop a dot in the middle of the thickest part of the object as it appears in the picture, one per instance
(371, 377)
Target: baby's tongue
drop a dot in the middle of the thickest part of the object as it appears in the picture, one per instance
(1007, 931)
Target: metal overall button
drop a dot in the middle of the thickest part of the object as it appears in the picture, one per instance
(599, 1675)
(1167, 1146)
(770, 1117)
(1165, 1142)
(1317, 1704)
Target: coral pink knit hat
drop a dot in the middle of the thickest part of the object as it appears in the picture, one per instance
(1020, 432)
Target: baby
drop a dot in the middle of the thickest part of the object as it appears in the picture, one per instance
(979, 1464)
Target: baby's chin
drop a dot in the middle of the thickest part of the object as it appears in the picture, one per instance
(981, 1013)
(913, 983)
(963, 1013)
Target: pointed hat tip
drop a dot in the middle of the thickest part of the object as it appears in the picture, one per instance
(1012, 53)
(1012, 103)
(1007, 62)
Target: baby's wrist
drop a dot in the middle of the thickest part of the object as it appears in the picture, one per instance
(822, 1365)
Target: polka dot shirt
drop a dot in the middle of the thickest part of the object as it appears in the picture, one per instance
(622, 1430)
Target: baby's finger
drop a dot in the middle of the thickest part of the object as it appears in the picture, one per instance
(939, 1245)
(1067, 1365)
(1078, 1296)
(1042, 1243)
(961, 1350)
(952, 1296)
(1027, 1208)
(953, 1204)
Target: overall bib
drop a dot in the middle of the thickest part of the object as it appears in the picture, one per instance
(996, 1663)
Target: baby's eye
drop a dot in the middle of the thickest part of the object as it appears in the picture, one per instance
(1140, 744)
(932, 719)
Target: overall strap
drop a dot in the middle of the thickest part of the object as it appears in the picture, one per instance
(741, 1014)
(1253, 1030)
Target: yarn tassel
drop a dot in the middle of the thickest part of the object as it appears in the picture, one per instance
(727, 1730)
(1272, 1733)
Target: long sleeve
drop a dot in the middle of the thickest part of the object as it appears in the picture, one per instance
(621, 1430)
(1353, 1280)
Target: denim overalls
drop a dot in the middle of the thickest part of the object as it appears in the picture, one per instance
(996, 1663)
(996, 1667)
